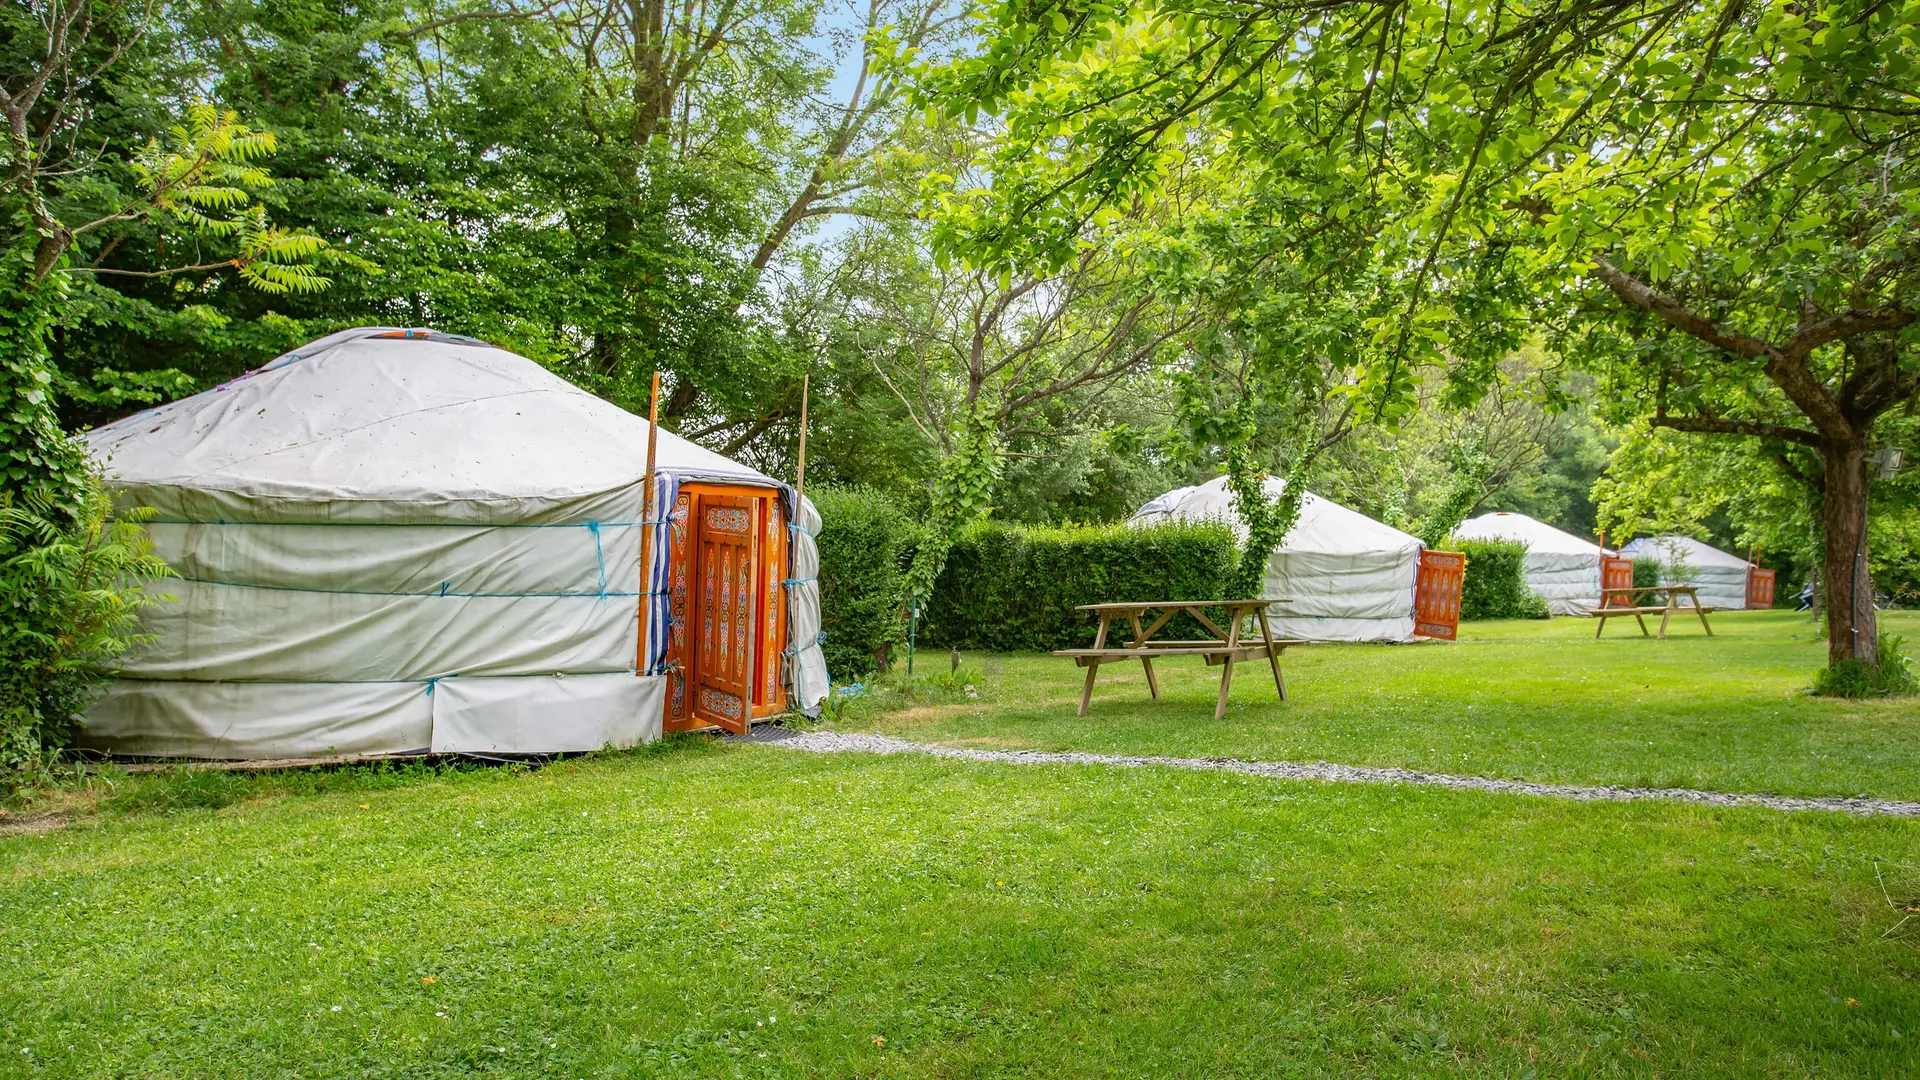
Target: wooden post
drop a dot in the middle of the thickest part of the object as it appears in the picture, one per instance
(646, 527)
(800, 471)
(881, 661)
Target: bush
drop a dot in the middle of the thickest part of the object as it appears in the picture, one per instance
(1010, 589)
(866, 540)
(71, 591)
(1852, 679)
(1495, 583)
(1646, 572)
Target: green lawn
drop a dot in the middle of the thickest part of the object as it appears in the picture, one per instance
(1535, 700)
(705, 910)
(700, 909)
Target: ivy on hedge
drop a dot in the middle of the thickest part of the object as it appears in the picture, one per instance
(1011, 589)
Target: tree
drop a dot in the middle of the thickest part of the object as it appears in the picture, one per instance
(1712, 207)
(199, 176)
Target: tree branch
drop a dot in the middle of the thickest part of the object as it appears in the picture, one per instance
(1715, 425)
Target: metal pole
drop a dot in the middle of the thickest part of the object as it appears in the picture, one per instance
(646, 528)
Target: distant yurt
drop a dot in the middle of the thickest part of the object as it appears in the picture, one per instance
(393, 541)
(1349, 577)
(1562, 568)
(1720, 577)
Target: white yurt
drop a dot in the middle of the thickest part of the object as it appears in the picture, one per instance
(1720, 577)
(1562, 568)
(1350, 577)
(393, 541)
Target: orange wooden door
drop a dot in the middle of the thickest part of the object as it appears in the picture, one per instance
(1759, 587)
(1617, 574)
(1436, 595)
(726, 545)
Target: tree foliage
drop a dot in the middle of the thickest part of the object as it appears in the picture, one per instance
(1713, 207)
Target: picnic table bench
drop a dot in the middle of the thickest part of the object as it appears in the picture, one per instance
(1619, 603)
(1225, 648)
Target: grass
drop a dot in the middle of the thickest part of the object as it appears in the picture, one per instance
(698, 909)
(706, 910)
(1534, 700)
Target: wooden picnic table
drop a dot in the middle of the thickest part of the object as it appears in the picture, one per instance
(1224, 648)
(1630, 603)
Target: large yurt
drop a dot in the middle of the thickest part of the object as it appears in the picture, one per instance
(1349, 577)
(392, 541)
(1562, 568)
(1721, 577)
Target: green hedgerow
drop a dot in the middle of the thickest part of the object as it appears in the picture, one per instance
(1495, 583)
(1008, 589)
(866, 542)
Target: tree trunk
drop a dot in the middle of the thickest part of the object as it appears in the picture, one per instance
(1852, 631)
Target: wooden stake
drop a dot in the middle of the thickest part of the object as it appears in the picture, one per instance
(800, 473)
(646, 526)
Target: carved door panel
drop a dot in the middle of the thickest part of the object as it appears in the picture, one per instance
(726, 545)
(1436, 594)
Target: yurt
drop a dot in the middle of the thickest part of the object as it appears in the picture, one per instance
(393, 541)
(1720, 577)
(1349, 577)
(1562, 568)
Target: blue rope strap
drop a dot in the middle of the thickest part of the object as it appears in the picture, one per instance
(599, 556)
(410, 524)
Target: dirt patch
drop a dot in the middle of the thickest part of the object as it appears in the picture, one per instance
(33, 824)
(933, 712)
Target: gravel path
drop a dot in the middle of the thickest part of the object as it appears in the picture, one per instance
(827, 742)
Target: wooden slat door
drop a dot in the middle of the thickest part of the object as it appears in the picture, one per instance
(1617, 574)
(1436, 595)
(1759, 587)
(726, 548)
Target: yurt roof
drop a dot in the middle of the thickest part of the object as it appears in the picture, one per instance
(1324, 525)
(379, 414)
(1536, 534)
(1692, 552)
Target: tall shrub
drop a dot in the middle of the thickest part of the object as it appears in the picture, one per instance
(1495, 583)
(1014, 589)
(866, 543)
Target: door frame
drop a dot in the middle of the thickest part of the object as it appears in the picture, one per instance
(767, 632)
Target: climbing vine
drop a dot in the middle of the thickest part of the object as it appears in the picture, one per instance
(1268, 519)
(962, 495)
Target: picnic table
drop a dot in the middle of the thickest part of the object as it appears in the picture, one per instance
(1631, 602)
(1223, 648)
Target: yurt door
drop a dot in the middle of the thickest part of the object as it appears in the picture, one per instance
(726, 536)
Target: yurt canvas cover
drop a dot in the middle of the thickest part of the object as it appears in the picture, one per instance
(389, 541)
(1720, 577)
(1561, 567)
(1350, 577)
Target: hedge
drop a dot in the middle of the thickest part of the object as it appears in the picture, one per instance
(865, 541)
(1495, 583)
(1011, 589)
(1647, 572)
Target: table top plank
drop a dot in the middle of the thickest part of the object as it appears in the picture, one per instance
(1149, 605)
